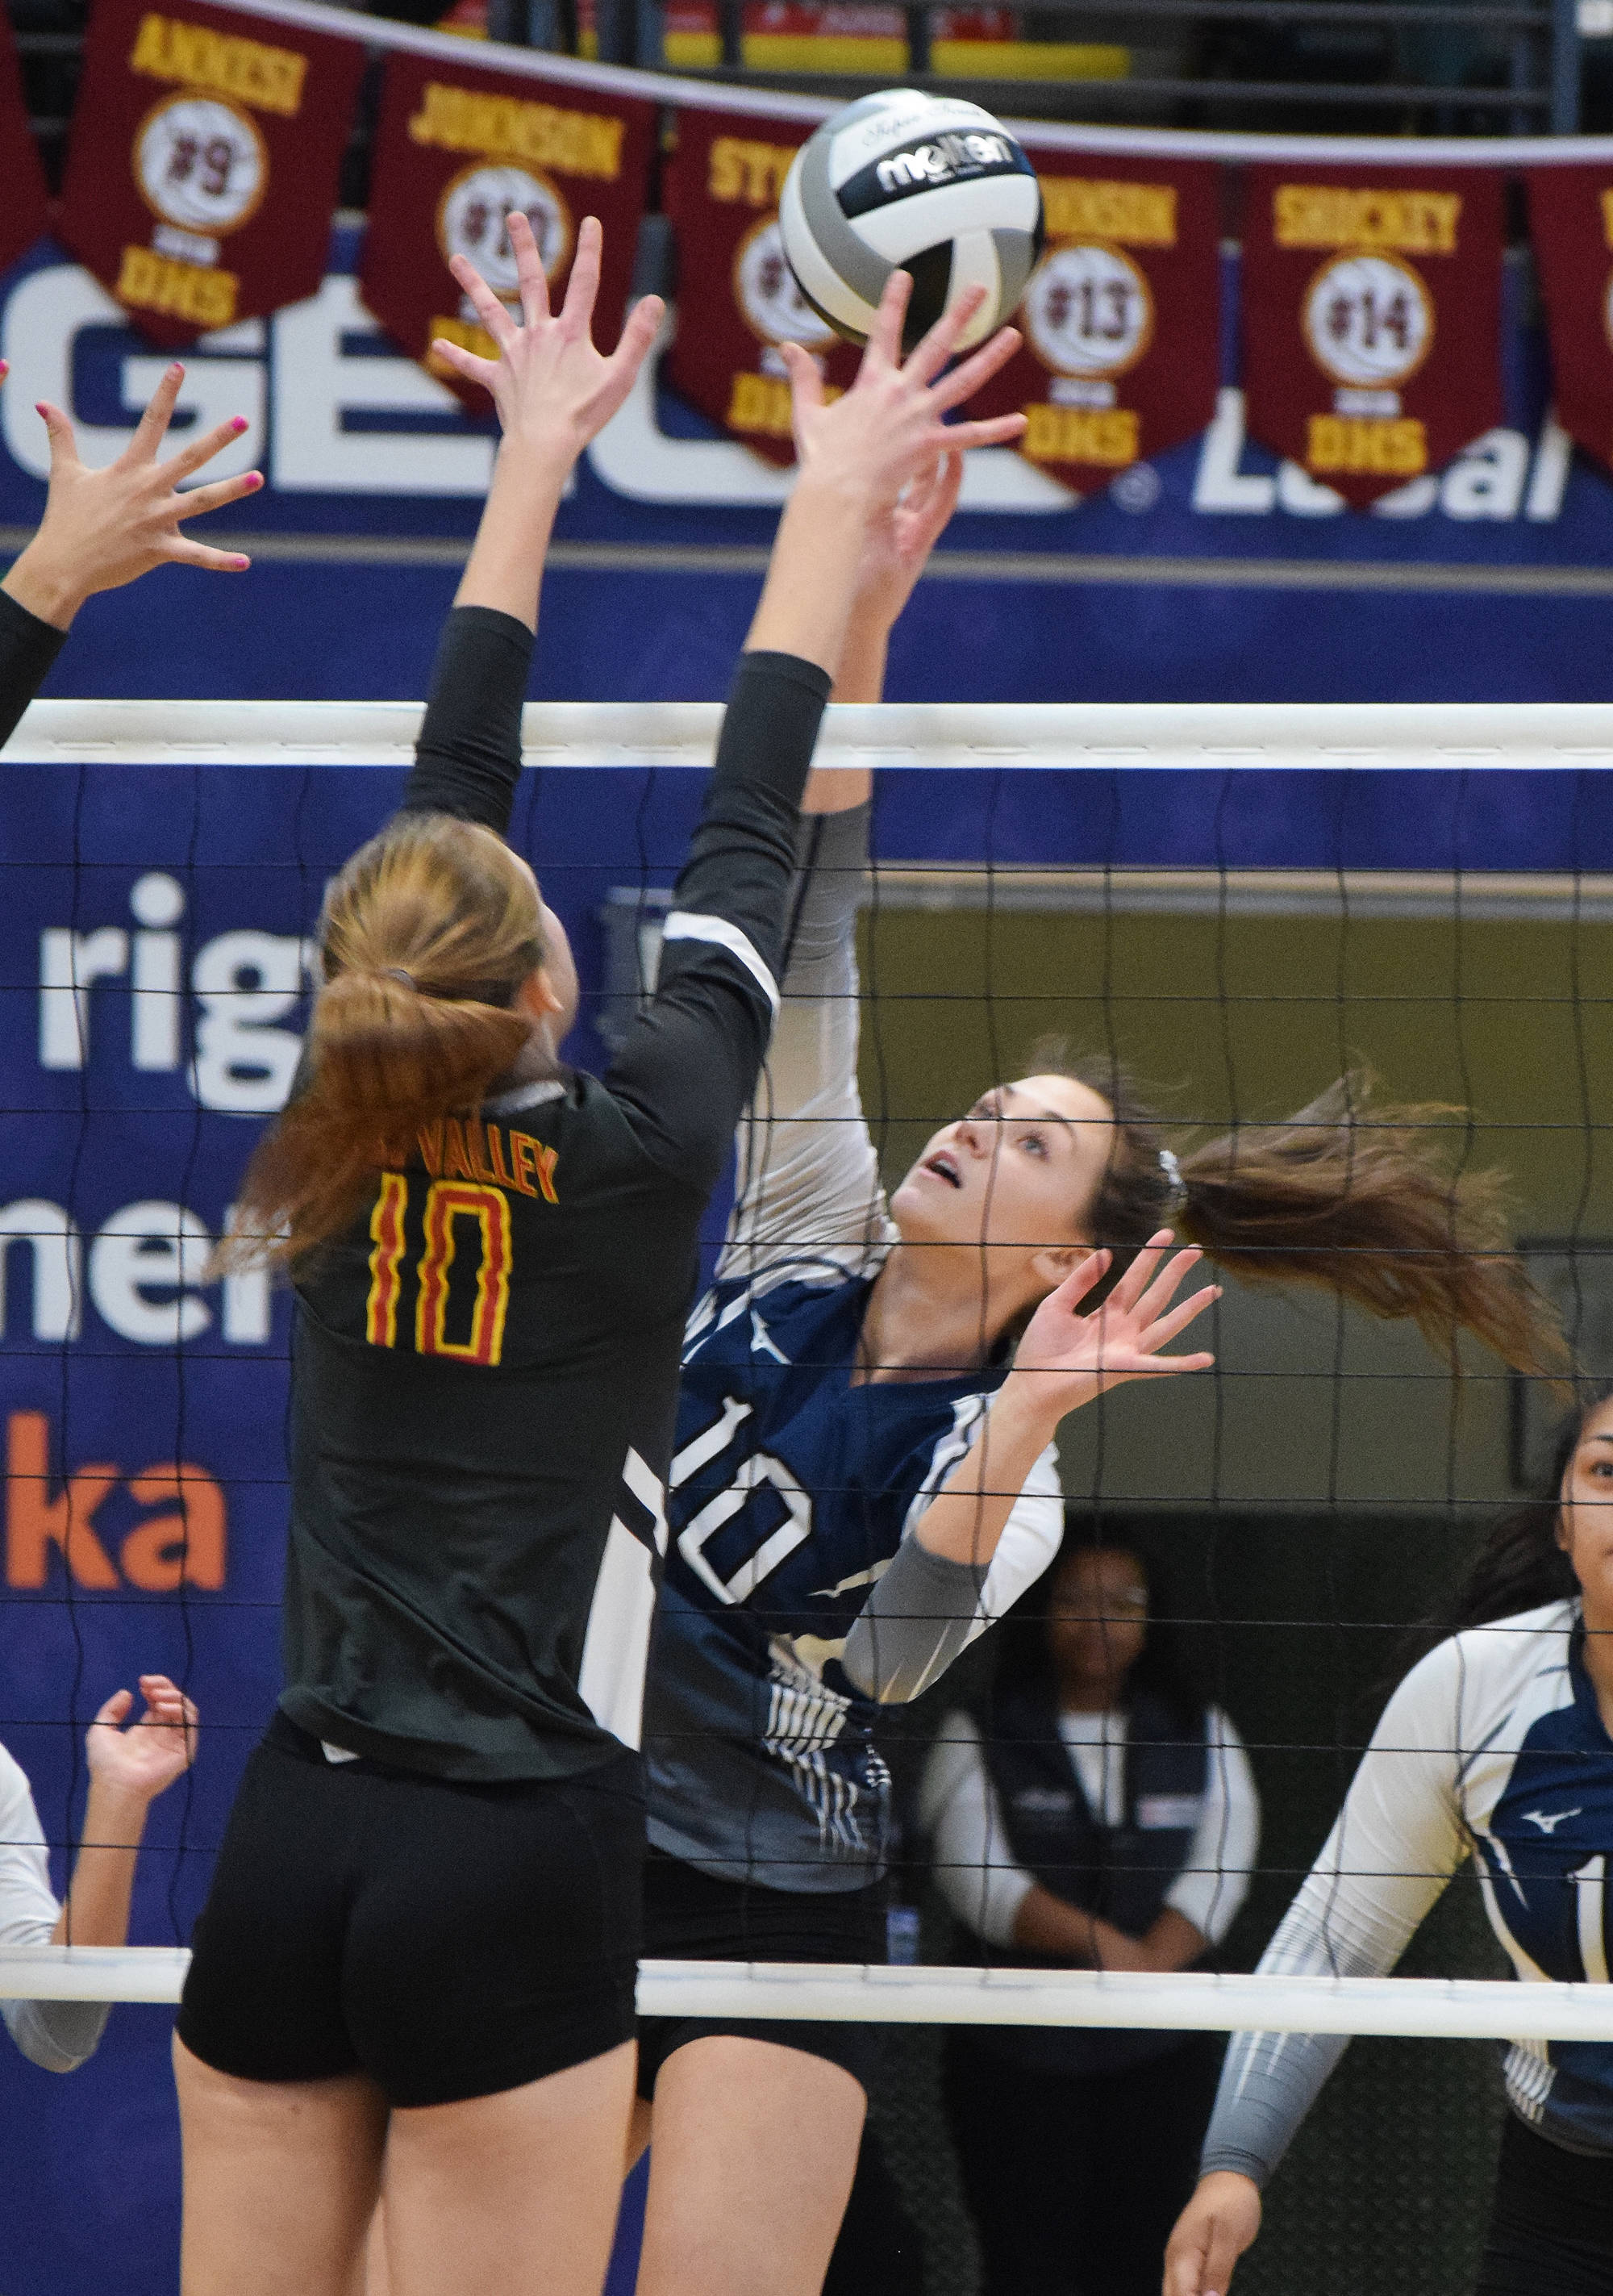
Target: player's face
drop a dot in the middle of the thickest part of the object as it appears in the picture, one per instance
(1020, 1172)
(1587, 1512)
(1098, 1620)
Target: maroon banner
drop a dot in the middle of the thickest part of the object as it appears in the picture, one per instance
(458, 148)
(1371, 318)
(1571, 225)
(1121, 318)
(203, 170)
(23, 195)
(737, 299)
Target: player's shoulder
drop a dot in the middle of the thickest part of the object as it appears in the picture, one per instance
(765, 1307)
(1491, 1665)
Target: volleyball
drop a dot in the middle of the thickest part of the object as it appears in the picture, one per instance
(905, 181)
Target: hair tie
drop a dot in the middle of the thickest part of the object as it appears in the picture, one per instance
(397, 972)
(1174, 1183)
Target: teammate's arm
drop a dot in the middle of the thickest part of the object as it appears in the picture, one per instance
(103, 529)
(553, 392)
(1397, 1842)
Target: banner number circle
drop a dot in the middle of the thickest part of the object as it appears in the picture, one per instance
(201, 163)
(1088, 310)
(1368, 319)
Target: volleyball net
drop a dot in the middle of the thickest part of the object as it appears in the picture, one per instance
(1236, 904)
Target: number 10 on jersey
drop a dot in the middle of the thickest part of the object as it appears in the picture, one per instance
(451, 1206)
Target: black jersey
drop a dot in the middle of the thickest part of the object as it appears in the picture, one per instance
(485, 1369)
(28, 647)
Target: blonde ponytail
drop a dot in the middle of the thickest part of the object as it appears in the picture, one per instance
(427, 935)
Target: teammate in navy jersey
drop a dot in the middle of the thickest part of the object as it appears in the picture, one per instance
(865, 1474)
(1497, 1746)
(415, 1968)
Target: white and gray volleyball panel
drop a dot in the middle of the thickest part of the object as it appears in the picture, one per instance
(932, 185)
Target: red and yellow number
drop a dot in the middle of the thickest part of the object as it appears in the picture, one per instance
(387, 1235)
(449, 1202)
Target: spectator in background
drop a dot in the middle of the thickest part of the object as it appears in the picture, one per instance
(128, 1769)
(1105, 1817)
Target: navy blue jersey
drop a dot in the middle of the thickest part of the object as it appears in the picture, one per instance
(793, 1485)
(1493, 1747)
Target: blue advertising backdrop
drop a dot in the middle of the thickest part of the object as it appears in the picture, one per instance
(189, 892)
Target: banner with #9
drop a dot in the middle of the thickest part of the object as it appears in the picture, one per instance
(1121, 318)
(203, 169)
(1371, 318)
(457, 149)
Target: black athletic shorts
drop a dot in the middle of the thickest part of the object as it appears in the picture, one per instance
(690, 1916)
(449, 1940)
(1552, 2228)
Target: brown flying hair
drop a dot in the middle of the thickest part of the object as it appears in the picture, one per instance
(1358, 1197)
(425, 938)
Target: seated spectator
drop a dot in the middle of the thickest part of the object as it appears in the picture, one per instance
(1106, 1818)
(128, 1769)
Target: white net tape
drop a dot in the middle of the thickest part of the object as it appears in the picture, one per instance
(1214, 737)
(1409, 2008)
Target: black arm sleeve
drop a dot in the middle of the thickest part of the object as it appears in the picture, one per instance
(28, 647)
(467, 760)
(689, 1063)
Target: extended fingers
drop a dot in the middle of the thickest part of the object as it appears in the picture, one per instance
(583, 286)
(191, 456)
(639, 332)
(1158, 1295)
(885, 336)
(970, 373)
(1163, 1329)
(214, 497)
(805, 377)
(464, 362)
(154, 422)
(116, 1706)
(1138, 1276)
(531, 277)
(999, 430)
(183, 552)
(484, 302)
(939, 345)
(59, 431)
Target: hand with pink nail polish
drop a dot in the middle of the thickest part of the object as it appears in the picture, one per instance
(103, 529)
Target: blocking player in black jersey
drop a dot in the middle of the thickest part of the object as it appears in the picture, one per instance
(414, 1972)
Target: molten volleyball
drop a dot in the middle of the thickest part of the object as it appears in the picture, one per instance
(924, 184)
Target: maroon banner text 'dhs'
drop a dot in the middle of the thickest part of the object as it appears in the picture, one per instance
(1371, 318)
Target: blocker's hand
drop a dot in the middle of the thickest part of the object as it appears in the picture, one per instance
(103, 529)
(552, 389)
(897, 547)
(1066, 1358)
(1212, 2232)
(139, 1763)
(888, 427)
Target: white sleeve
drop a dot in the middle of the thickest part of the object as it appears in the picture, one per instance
(1398, 1841)
(1210, 1890)
(975, 1869)
(808, 1180)
(57, 2035)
